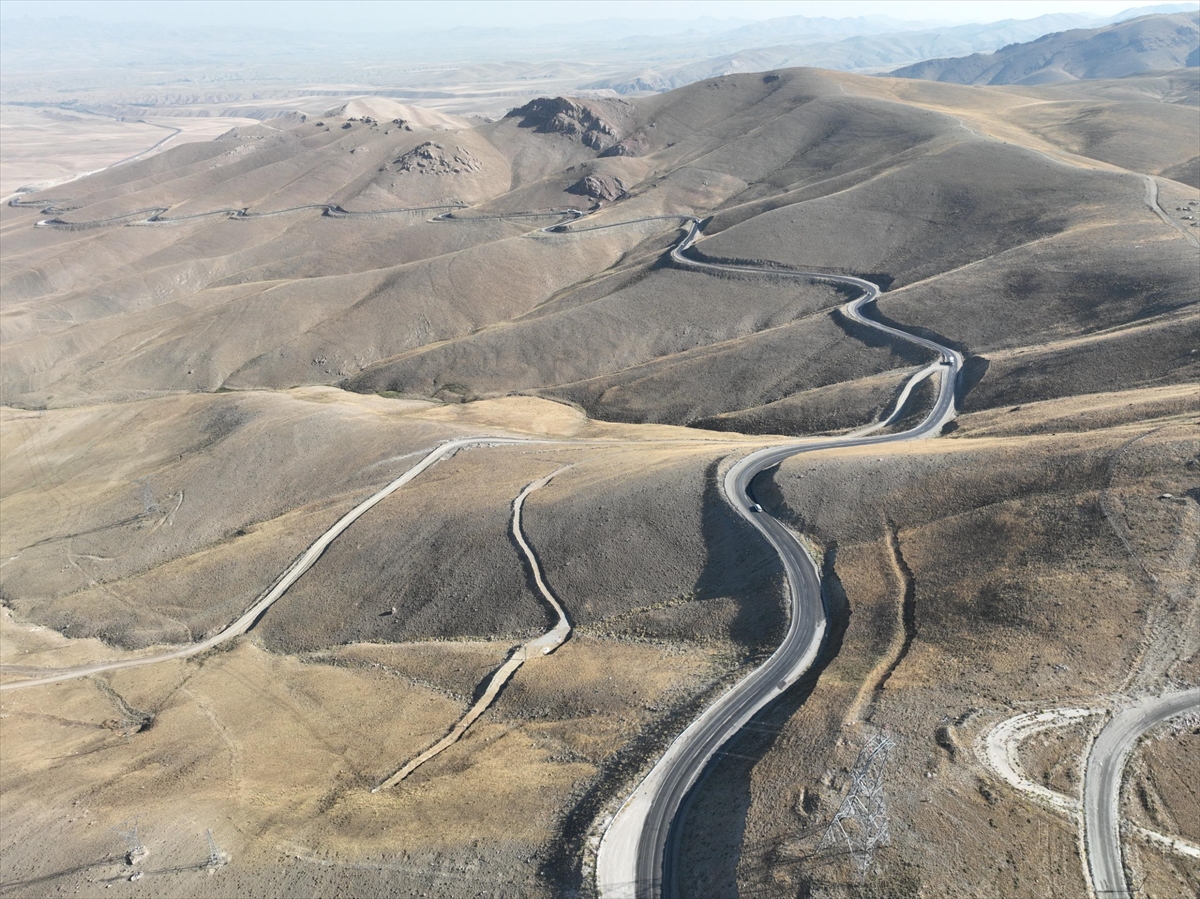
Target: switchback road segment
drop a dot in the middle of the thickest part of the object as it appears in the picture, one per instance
(633, 861)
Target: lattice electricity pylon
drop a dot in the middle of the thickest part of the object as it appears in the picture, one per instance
(135, 851)
(129, 837)
(861, 821)
(216, 857)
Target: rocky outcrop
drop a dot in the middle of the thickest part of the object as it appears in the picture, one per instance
(433, 159)
(636, 145)
(599, 187)
(584, 121)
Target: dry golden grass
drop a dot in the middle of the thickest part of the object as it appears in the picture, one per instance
(1160, 793)
(1021, 597)
(275, 755)
(145, 506)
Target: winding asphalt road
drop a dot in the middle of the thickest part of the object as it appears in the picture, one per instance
(631, 859)
(634, 861)
(1102, 787)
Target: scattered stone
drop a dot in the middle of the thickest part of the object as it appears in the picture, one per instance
(636, 145)
(947, 739)
(986, 792)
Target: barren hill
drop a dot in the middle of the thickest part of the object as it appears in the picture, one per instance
(387, 110)
(1146, 44)
(321, 298)
(211, 356)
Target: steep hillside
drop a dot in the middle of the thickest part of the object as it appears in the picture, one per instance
(210, 356)
(800, 168)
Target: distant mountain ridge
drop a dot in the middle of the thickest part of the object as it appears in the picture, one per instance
(792, 41)
(474, 69)
(1145, 44)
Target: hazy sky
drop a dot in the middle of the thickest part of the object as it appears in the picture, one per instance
(362, 15)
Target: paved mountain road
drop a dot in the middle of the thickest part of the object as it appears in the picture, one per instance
(1102, 786)
(633, 848)
(156, 215)
(634, 861)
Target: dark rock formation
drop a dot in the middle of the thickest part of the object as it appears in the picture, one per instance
(559, 115)
(599, 187)
(433, 159)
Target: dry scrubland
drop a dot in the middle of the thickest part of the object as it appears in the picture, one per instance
(1163, 795)
(190, 404)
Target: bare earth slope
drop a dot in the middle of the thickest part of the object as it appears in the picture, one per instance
(212, 354)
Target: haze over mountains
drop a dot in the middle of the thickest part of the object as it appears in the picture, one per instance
(1145, 44)
(793, 42)
(118, 68)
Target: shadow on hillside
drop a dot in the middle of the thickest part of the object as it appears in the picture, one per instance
(741, 565)
(706, 842)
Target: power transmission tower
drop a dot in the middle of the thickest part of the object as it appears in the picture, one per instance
(135, 851)
(216, 858)
(861, 821)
